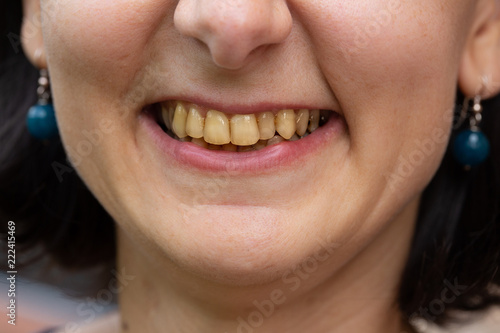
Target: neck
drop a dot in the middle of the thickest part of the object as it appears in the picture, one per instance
(361, 295)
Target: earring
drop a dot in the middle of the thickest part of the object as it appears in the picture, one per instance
(41, 120)
(471, 147)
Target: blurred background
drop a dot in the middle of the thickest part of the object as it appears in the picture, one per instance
(49, 297)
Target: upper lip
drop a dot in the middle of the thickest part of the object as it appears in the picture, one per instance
(244, 108)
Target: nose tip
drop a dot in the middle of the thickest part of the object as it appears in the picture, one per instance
(233, 29)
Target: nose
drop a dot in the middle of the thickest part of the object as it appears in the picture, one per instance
(233, 29)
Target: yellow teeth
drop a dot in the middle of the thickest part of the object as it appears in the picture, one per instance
(216, 129)
(195, 123)
(285, 123)
(313, 120)
(214, 147)
(229, 147)
(260, 144)
(302, 120)
(199, 142)
(266, 125)
(244, 130)
(240, 132)
(179, 121)
(274, 140)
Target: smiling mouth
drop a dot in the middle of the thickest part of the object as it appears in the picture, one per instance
(215, 130)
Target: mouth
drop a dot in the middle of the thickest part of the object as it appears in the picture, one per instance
(216, 130)
(193, 136)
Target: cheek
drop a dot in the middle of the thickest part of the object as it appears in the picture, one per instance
(95, 50)
(100, 46)
(393, 68)
(103, 32)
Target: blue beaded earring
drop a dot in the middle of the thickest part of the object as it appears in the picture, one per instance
(471, 147)
(41, 120)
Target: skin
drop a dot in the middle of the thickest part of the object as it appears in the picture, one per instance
(390, 68)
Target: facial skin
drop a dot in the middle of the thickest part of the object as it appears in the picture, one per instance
(389, 68)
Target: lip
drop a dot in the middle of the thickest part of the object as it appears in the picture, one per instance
(236, 108)
(286, 154)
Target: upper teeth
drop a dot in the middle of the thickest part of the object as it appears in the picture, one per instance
(217, 128)
(244, 130)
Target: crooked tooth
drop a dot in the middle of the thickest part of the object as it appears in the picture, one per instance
(179, 121)
(266, 125)
(244, 130)
(216, 129)
(302, 120)
(274, 140)
(294, 137)
(199, 142)
(313, 120)
(195, 123)
(285, 123)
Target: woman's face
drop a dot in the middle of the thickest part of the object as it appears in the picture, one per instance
(387, 68)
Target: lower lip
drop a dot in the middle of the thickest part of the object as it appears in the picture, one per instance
(278, 156)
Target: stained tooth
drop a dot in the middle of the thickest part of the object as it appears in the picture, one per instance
(165, 116)
(245, 148)
(199, 142)
(244, 130)
(294, 137)
(214, 147)
(260, 144)
(266, 125)
(185, 139)
(274, 140)
(313, 120)
(229, 147)
(285, 123)
(216, 129)
(179, 121)
(194, 123)
(302, 120)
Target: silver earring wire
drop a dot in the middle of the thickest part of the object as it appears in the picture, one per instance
(476, 117)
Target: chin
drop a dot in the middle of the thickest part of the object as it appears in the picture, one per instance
(238, 245)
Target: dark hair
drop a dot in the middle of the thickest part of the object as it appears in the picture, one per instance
(52, 210)
(456, 241)
(457, 237)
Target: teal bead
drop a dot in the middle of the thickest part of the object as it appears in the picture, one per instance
(471, 147)
(41, 121)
